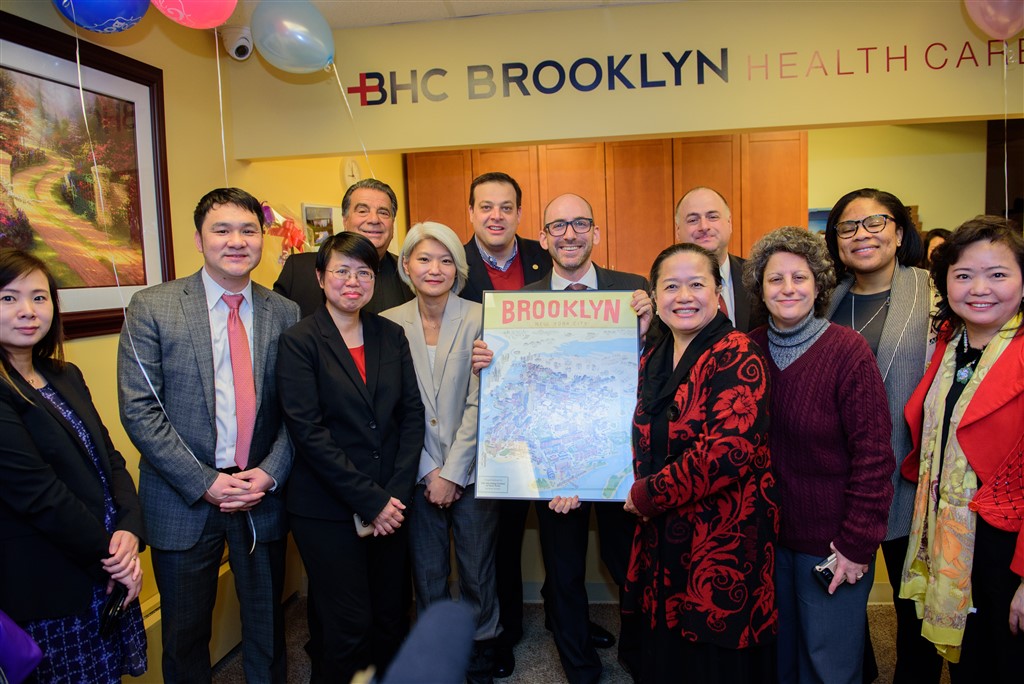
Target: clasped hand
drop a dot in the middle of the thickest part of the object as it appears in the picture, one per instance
(239, 492)
(123, 564)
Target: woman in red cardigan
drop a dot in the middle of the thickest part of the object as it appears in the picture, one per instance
(701, 567)
(965, 563)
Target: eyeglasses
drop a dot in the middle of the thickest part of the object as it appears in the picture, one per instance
(873, 224)
(581, 226)
(363, 275)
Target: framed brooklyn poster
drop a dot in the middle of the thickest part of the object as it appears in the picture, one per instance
(556, 402)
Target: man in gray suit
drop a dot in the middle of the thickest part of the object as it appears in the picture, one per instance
(703, 217)
(203, 412)
(569, 235)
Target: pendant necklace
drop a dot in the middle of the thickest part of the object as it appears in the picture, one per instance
(966, 372)
(853, 310)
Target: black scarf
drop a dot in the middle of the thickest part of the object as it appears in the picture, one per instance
(659, 382)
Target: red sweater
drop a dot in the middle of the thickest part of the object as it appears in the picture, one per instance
(830, 446)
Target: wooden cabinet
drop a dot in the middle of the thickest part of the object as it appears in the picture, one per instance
(640, 204)
(632, 185)
(578, 168)
(773, 169)
(437, 183)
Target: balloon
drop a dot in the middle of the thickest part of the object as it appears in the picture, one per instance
(293, 36)
(103, 16)
(1000, 19)
(197, 14)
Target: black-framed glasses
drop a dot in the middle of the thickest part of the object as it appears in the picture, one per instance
(873, 224)
(580, 226)
(363, 275)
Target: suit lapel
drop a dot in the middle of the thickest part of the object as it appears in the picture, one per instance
(413, 325)
(197, 319)
(371, 351)
(72, 396)
(261, 320)
(450, 326)
(740, 298)
(336, 345)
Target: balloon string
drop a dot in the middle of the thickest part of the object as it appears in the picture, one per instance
(344, 97)
(220, 102)
(85, 119)
(1006, 141)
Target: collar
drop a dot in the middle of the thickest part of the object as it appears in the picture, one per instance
(214, 291)
(589, 279)
(492, 262)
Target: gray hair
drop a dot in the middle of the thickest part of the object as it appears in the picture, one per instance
(796, 241)
(448, 239)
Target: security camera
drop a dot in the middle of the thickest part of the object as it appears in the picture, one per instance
(237, 41)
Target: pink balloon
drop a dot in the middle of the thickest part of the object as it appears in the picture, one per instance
(197, 14)
(999, 19)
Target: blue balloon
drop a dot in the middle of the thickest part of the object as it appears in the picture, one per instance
(293, 36)
(103, 16)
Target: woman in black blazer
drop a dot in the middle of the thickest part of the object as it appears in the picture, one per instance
(352, 406)
(70, 524)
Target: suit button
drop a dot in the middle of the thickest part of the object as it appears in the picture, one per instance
(433, 421)
(373, 425)
(376, 455)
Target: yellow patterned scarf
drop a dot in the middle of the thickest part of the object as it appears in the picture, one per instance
(937, 570)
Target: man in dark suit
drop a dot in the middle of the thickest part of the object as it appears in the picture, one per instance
(703, 217)
(368, 208)
(501, 260)
(198, 399)
(569, 235)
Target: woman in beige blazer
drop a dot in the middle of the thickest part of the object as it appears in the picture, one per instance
(441, 328)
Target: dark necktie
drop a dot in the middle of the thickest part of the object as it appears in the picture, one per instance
(576, 287)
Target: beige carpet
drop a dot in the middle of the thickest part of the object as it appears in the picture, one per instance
(536, 658)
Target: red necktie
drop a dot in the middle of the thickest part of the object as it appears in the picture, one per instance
(722, 306)
(241, 372)
(576, 287)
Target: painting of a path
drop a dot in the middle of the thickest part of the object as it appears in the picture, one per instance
(81, 217)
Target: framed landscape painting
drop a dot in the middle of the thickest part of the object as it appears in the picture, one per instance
(83, 180)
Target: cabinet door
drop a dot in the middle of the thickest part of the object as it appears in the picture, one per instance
(712, 162)
(521, 164)
(774, 183)
(639, 179)
(578, 168)
(438, 187)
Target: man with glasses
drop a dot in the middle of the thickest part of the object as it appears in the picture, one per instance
(569, 235)
(368, 208)
(703, 217)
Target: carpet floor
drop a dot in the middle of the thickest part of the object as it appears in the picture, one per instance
(536, 657)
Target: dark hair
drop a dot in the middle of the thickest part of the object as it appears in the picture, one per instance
(931, 235)
(369, 184)
(495, 177)
(14, 264)
(798, 242)
(352, 245)
(679, 248)
(988, 228)
(910, 250)
(215, 198)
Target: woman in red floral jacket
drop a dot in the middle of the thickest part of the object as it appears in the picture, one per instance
(704, 551)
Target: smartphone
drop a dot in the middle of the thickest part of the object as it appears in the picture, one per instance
(825, 571)
(362, 528)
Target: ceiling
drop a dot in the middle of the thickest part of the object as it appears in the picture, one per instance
(345, 14)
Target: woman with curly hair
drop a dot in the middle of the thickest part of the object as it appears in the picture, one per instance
(830, 453)
(700, 572)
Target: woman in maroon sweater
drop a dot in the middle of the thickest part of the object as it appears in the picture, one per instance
(700, 572)
(830, 454)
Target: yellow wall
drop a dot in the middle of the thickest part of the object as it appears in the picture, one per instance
(286, 184)
(938, 167)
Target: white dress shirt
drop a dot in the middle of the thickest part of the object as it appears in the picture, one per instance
(223, 379)
(589, 279)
